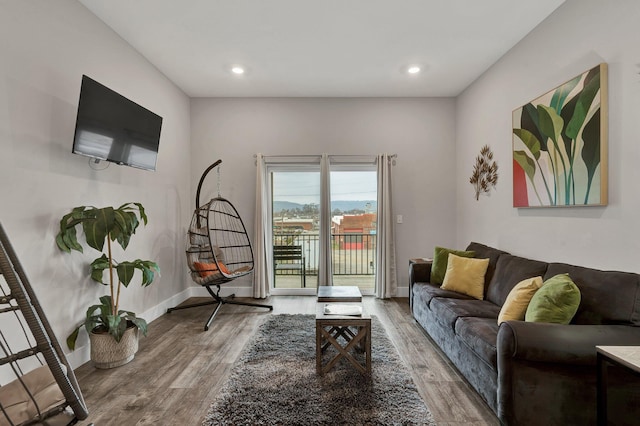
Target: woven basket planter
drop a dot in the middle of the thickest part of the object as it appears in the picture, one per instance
(107, 353)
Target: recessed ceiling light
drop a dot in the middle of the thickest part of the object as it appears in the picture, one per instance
(413, 69)
(237, 69)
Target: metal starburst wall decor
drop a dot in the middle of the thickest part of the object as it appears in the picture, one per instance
(485, 172)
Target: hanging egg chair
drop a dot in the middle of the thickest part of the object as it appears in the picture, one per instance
(218, 249)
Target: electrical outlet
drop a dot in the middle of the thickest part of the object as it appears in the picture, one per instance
(399, 219)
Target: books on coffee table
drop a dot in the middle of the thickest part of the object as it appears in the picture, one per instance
(348, 309)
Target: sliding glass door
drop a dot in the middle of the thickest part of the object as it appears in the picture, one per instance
(295, 214)
(353, 226)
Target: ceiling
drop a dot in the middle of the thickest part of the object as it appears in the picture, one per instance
(322, 48)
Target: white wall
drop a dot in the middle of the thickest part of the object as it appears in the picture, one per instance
(578, 36)
(420, 131)
(46, 47)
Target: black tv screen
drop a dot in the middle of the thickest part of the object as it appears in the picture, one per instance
(113, 128)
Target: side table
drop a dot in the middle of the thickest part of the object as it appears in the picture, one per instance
(627, 357)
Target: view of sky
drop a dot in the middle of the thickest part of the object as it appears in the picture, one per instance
(304, 187)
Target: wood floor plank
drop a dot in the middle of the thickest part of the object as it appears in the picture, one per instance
(180, 368)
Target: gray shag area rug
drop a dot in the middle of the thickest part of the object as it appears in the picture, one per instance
(275, 383)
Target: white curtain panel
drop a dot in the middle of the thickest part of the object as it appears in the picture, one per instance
(386, 276)
(325, 274)
(261, 247)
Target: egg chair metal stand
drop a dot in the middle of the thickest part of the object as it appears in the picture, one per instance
(218, 250)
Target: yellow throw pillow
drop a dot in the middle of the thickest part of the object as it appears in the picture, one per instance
(465, 275)
(515, 307)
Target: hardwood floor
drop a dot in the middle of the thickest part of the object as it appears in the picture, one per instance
(180, 368)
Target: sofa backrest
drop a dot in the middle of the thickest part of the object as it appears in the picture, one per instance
(510, 270)
(606, 297)
(485, 252)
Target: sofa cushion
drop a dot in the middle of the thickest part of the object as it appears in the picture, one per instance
(465, 275)
(440, 261)
(515, 307)
(480, 335)
(556, 302)
(607, 297)
(447, 311)
(425, 292)
(485, 252)
(510, 270)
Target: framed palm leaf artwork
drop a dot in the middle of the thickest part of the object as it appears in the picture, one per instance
(560, 145)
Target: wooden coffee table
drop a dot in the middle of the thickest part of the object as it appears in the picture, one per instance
(334, 331)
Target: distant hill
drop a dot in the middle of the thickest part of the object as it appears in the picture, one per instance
(343, 205)
(347, 205)
(278, 206)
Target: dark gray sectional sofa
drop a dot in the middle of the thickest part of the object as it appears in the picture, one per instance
(535, 373)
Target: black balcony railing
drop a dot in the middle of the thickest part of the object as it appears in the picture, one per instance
(351, 253)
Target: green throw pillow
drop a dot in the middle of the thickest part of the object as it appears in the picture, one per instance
(440, 259)
(556, 302)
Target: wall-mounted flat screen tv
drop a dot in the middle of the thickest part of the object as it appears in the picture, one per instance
(113, 128)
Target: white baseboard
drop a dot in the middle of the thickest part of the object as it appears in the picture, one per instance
(161, 308)
(225, 291)
(402, 292)
(79, 356)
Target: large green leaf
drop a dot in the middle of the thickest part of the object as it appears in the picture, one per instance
(70, 239)
(529, 121)
(530, 141)
(593, 73)
(125, 272)
(551, 125)
(72, 338)
(143, 214)
(96, 230)
(117, 326)
(66, 238)
(550, 122)
(527, 163)
(97, 268)
(561, 93)
(591, 149)
(94, 321)
(585, 99)
(107, 303)
(566, 114)
(139, 322)
(61, 243)
(148, 272)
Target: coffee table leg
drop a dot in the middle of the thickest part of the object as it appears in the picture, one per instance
(318, 349)
(368, 348)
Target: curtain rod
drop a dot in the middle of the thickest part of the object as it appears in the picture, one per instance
(320, 155)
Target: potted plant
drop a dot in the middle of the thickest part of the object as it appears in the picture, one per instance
(113, 332)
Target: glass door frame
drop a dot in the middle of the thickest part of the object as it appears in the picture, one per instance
(309, 164)
(348, 165)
